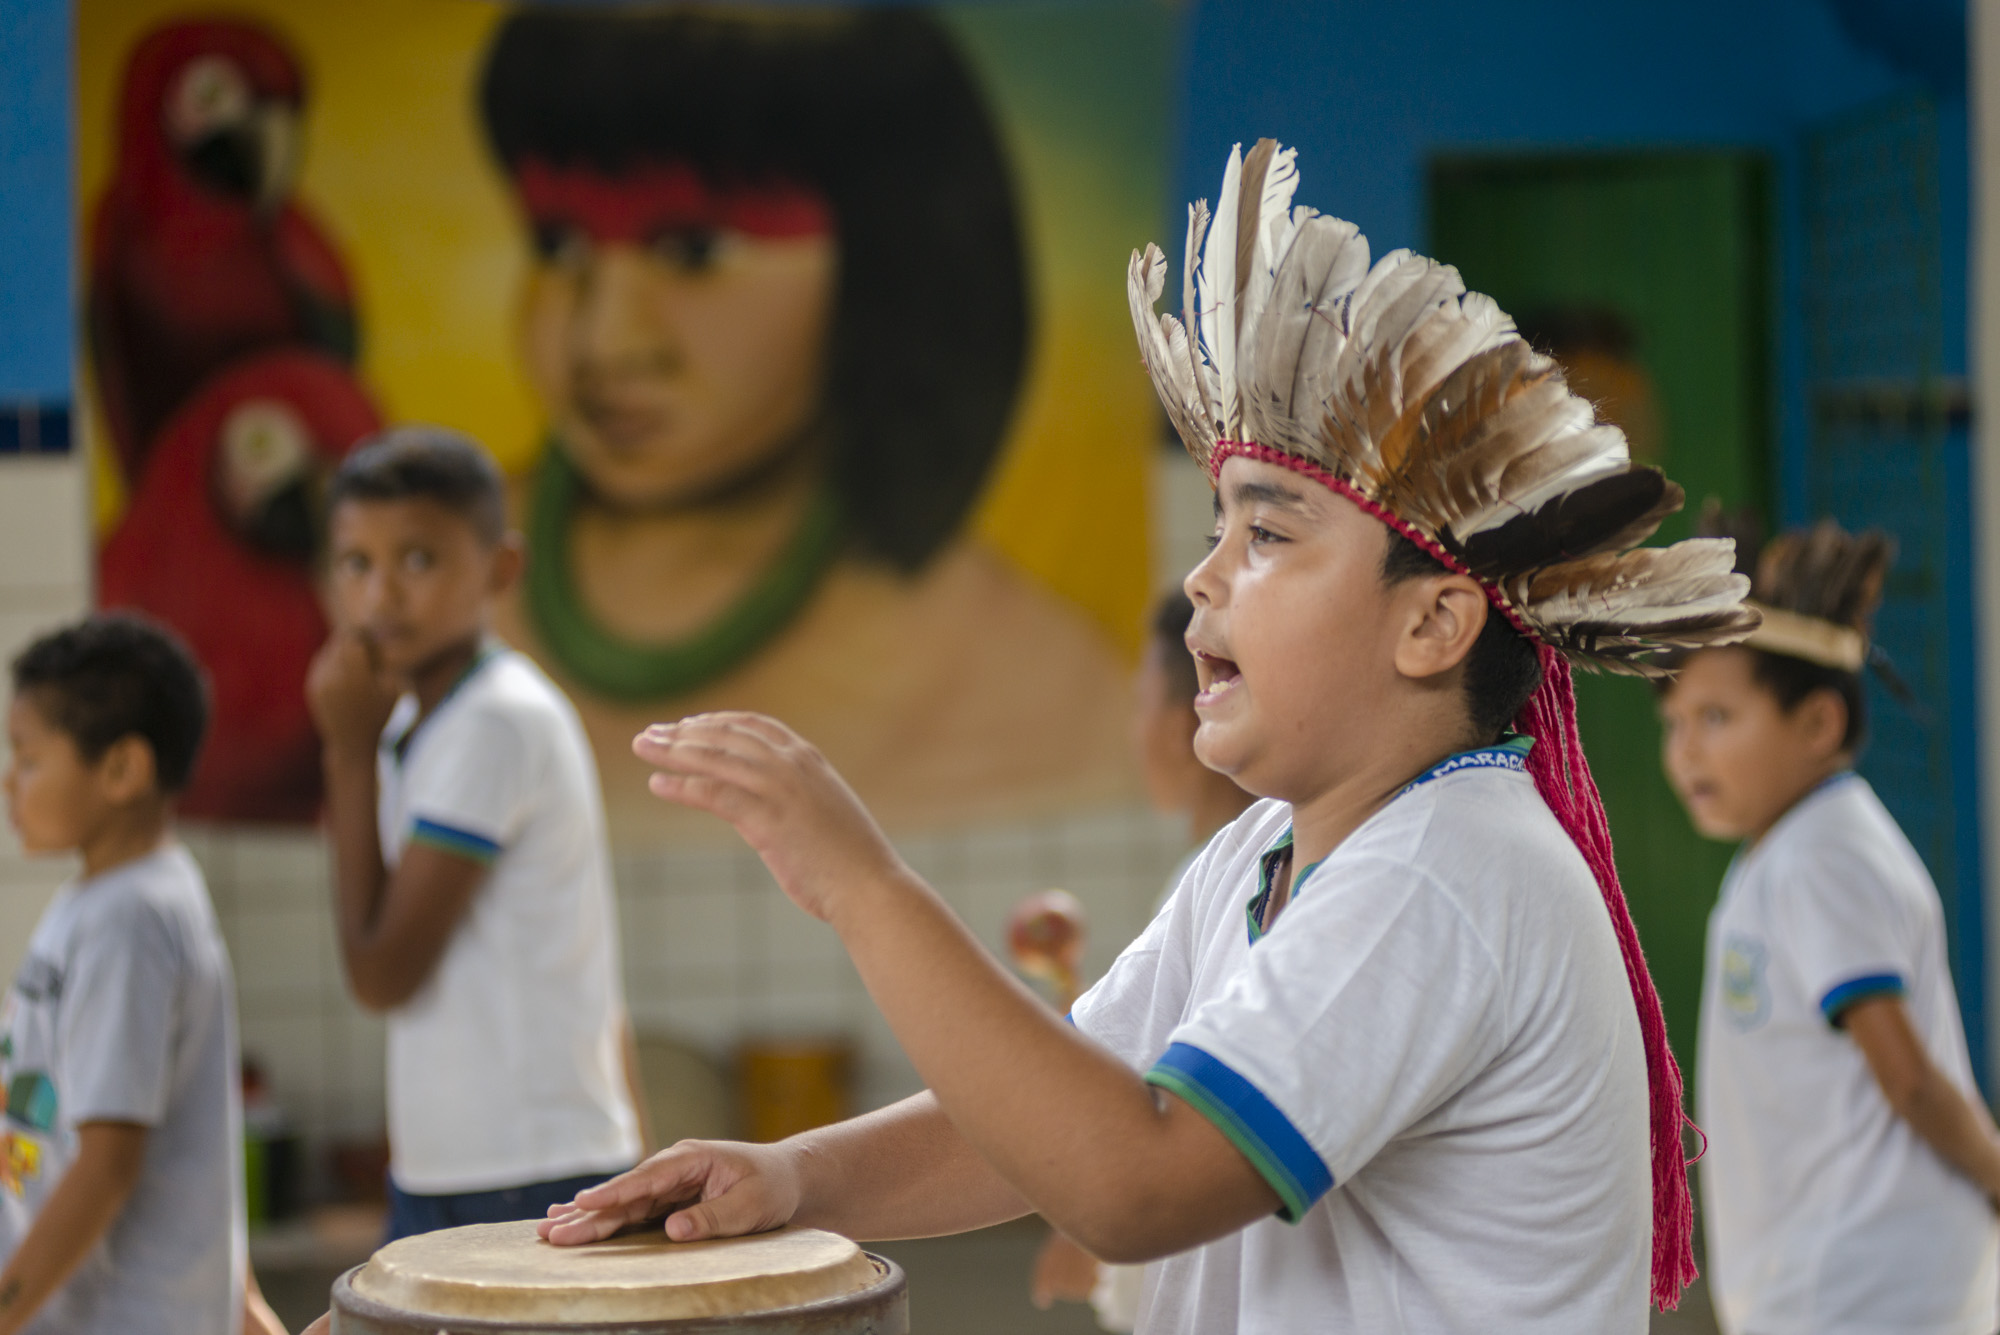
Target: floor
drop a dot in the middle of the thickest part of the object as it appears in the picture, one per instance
(975, 1284)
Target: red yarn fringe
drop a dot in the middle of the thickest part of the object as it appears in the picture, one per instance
(1562, 776)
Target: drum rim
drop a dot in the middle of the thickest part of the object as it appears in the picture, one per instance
(892, 1282)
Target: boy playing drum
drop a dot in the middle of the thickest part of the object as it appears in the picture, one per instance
(1384, 1061)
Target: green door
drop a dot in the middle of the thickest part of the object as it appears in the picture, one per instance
(1647, 273)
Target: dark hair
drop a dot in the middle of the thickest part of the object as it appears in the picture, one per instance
(1791, 680)
(875, 110)
(118, 675)
(1502, 670)
(430, 463)
(1170, 619)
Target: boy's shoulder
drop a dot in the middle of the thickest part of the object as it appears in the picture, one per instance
(508, 691)
(157, 897)
(1840, 834)
(1473, 822)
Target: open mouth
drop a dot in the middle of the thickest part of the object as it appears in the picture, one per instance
(1218, 677)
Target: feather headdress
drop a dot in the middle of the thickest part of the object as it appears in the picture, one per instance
(1817, 591)
(1417, 400)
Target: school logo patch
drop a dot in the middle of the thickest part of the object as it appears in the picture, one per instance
(1746, 995)
(31, 1100)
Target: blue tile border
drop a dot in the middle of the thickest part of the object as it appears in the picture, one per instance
(34, 428)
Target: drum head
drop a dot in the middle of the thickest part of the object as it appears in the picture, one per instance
(505, 1272)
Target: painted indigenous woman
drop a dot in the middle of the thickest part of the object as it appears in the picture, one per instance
(778, 321)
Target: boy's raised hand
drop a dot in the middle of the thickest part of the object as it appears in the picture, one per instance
(706, 1189)
(782, 796)
(349, 695)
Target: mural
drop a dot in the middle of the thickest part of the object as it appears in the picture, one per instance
(801, 333)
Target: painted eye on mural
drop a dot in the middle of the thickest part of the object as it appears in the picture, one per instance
(691, 250)
(561, 244)
(211, 95)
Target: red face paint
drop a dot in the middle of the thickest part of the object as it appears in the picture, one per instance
(637, 205)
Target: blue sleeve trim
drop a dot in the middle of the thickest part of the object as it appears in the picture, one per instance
(448, 839)
(1846, 994)
(1252, 1122)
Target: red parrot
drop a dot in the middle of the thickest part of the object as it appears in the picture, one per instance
(219, 543)
(197, 255)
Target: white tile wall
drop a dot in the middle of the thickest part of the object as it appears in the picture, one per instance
(44, 581)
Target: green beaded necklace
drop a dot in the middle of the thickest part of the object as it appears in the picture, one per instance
(629, 670)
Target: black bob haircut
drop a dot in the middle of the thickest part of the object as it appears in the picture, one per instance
(878, 112)
(1502, 670)
(430, 463)
(117, 675)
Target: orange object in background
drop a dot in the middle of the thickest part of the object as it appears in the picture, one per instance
(788, 1086)
(1046, 935)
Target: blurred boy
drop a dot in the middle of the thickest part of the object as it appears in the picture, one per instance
(121, 1186)
(1390, 1060)
(473, 895)
(1163, 728)
(1851, 1170)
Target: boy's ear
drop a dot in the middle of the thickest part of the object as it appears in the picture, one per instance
(1447, 614)
(127, 770)
(1823, 717)
(510, 558)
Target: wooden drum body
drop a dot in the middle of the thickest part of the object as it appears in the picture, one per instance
(501, 1279)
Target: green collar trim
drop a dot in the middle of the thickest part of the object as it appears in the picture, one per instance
(632, 670)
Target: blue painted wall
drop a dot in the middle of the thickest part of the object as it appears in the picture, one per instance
(37, 312)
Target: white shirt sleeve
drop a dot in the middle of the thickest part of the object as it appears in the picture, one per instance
(1144, 993)
(468, 789)
(1371, 1001)
(118, 1017)
(1836, 919)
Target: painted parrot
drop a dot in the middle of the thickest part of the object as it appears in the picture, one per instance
(197, 254)
(220, 543)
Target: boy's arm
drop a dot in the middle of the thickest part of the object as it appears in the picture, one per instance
(258, 1318)
(1131, 1173)
(900, 1172)
(393, 929)
(91, 1193)
(1955, 1126)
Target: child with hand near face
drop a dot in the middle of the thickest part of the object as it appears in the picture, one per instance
(472, 881)
(121, 1181)
(1851, 1172)
(1389, 1060)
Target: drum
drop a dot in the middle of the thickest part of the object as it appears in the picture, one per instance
(493, 1278)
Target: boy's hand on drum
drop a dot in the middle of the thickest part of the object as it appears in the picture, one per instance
(782, 796)
(706, 1189)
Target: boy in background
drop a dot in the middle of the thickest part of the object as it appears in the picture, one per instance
(472, 886)
(121, 1171)
(1851, 1172)
(1164, 725)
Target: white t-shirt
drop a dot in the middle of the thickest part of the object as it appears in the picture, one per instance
(1434, 1059)
(506, 1068)
(123, 1011)
(1825, 1212)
